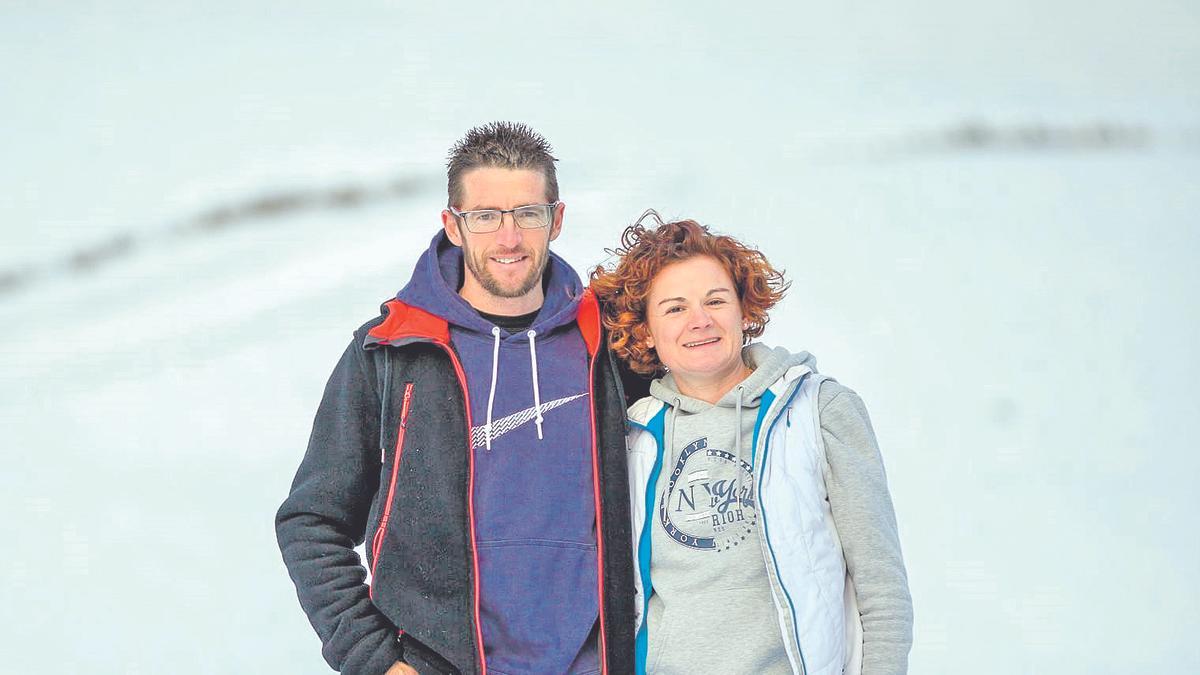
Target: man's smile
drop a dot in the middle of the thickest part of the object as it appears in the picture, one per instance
(508, 260)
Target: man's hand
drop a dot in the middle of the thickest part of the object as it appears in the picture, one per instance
(401, 669)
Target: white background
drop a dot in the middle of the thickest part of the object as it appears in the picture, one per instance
(1018, 312)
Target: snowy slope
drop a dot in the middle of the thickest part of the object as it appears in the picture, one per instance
(1010, 289)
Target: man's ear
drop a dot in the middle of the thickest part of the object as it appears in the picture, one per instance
(556, 226)
(450, 225)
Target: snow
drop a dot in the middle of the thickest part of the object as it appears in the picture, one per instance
(1018, 313)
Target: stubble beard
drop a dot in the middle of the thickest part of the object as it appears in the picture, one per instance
(477, 266)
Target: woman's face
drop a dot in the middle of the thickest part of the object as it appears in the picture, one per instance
(695, 321)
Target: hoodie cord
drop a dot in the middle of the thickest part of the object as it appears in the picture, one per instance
(537, 399)
(537, 396)
(738, 441)
(492, 391)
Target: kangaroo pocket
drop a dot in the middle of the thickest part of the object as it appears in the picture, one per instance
(538, 603)
(720, 631)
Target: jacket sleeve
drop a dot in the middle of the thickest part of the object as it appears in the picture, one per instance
(866, 524)
(325, 516)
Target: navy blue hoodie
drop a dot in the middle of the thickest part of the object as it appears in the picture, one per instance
(534, 509)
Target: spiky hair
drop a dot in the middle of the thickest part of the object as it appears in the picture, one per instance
(507, 145)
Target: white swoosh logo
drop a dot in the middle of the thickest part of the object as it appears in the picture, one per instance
(509, 422)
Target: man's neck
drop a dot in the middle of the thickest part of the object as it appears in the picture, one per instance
(477, 297)
(512, 324)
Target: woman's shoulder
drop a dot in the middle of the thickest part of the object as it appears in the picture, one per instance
(831, 390)
(644, 409)
(838, 403)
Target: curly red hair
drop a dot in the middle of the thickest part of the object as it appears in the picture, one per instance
(644, 252)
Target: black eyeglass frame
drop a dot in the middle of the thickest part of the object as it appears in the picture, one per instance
(500, 222)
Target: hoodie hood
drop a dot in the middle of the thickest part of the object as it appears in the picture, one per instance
(438, 275)
(769, 365)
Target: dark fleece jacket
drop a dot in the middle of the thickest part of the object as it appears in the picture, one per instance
(398, 394)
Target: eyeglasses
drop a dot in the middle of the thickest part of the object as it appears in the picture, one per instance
(528, 217)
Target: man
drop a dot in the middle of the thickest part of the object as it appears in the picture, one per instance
(475, 430)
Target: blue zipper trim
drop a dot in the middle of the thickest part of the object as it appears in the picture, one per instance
(656, 427)
(763, 509)
(765, 401)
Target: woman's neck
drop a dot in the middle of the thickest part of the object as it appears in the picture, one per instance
(711, 390)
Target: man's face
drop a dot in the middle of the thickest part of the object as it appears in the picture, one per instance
(506, 264)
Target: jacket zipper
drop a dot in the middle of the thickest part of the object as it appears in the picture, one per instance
(380, 532)
(599, 521)
(766, 440)
(462, 382)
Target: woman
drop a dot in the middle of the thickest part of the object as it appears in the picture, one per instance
(764, 536)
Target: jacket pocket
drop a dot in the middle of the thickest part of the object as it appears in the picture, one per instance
(424, 659)
(381, 531)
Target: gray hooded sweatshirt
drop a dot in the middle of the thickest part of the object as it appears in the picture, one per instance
(711, 610)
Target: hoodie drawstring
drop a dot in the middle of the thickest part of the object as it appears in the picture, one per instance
(537, 399)
(487, 431)
(537, 395)
(741, 388)
(669, 432)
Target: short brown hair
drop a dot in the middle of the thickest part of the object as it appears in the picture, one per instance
(507, 145)
(643, 253)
